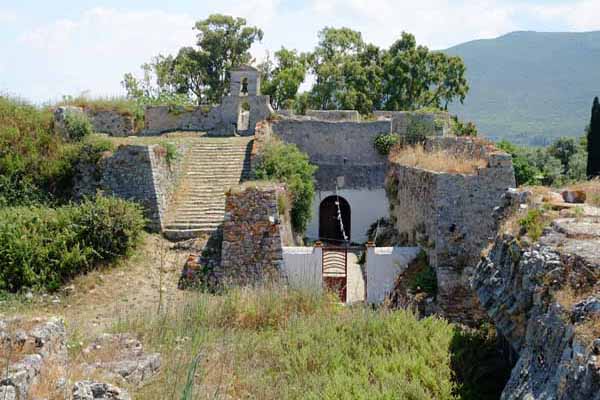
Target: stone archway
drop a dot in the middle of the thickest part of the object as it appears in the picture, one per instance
(329, 226)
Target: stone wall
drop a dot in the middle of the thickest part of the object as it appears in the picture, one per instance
(334, 115)
(253, 233)
(340, 149)
(138, 173)
(450, 216)
(219, 120)
(436, 123)
(111, 122)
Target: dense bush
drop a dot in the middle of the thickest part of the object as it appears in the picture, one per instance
(77, 126)
(384, 142)
(35, 164)
(43, 247)
(461, 128)
(480, 362)
(285, 163)
(562, 162)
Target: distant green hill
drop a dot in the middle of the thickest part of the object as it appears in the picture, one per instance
(530, 87)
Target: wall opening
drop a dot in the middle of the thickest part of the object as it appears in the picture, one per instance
(244, 87)
(330, 226)
(243, 121)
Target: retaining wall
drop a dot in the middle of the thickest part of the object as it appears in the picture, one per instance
(138, 173)
(450, 216)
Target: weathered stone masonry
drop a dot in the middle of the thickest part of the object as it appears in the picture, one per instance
(450, 215)
(138, 173)
(253, 234)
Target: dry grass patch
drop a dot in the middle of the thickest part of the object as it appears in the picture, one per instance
(437, 160)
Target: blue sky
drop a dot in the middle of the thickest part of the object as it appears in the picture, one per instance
(50, 49)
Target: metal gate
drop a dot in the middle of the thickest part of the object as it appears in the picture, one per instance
(335, 270)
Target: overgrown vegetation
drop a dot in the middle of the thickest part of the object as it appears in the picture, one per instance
(423, 278)
(534, 222)
(276, 343)
(461, 128)
(285, 163)
(35, 164)
(436, 160)
(43, 247)
(480, 362)
(385, 141)
(77, 126)
(564, 161)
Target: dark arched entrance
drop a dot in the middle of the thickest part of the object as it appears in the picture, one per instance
(330, 229)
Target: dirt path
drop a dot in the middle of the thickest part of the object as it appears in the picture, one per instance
(91, 304)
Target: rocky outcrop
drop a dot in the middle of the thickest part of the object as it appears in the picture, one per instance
(88, 390)
(545, 300)
(34, 359)
(28, 346)
(128, 362)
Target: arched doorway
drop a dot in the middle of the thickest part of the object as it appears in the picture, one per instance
(330, 229)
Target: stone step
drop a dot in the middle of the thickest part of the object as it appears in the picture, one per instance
(183, 226)
(184, 234)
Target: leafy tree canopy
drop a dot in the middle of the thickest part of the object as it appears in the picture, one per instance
(200, 73)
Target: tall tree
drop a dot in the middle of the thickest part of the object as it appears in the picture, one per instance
(225, 42)
(282, 79)
(202, 73)
(593, 142)
(416, 77)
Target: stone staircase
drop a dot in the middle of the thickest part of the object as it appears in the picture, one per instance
(212, 166)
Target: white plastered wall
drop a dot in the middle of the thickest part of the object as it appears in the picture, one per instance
(383, 266)
(366, 207)
(303, 268)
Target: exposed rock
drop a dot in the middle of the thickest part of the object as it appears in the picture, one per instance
(574, 196)
(8, 393)
(44, 340)
(88, 390)
(128, 360)
(519, 286)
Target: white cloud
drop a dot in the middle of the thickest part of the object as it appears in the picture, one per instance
(577, 15)
(7, 17)
(93, 51)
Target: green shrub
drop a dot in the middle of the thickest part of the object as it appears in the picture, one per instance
(285, 163)
(463, 129)
(384, 142)
(424, 279)
(533, 223)
(171, 152)
(481, 366)
(77, 126)
(44, 247)
(35, 164)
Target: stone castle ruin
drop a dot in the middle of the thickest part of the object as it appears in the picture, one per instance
(447, 215)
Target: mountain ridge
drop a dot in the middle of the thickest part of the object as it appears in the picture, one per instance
(530, 87)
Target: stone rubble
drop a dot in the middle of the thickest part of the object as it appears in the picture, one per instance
(119, 358)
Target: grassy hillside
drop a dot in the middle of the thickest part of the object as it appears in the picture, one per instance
(530, 87)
